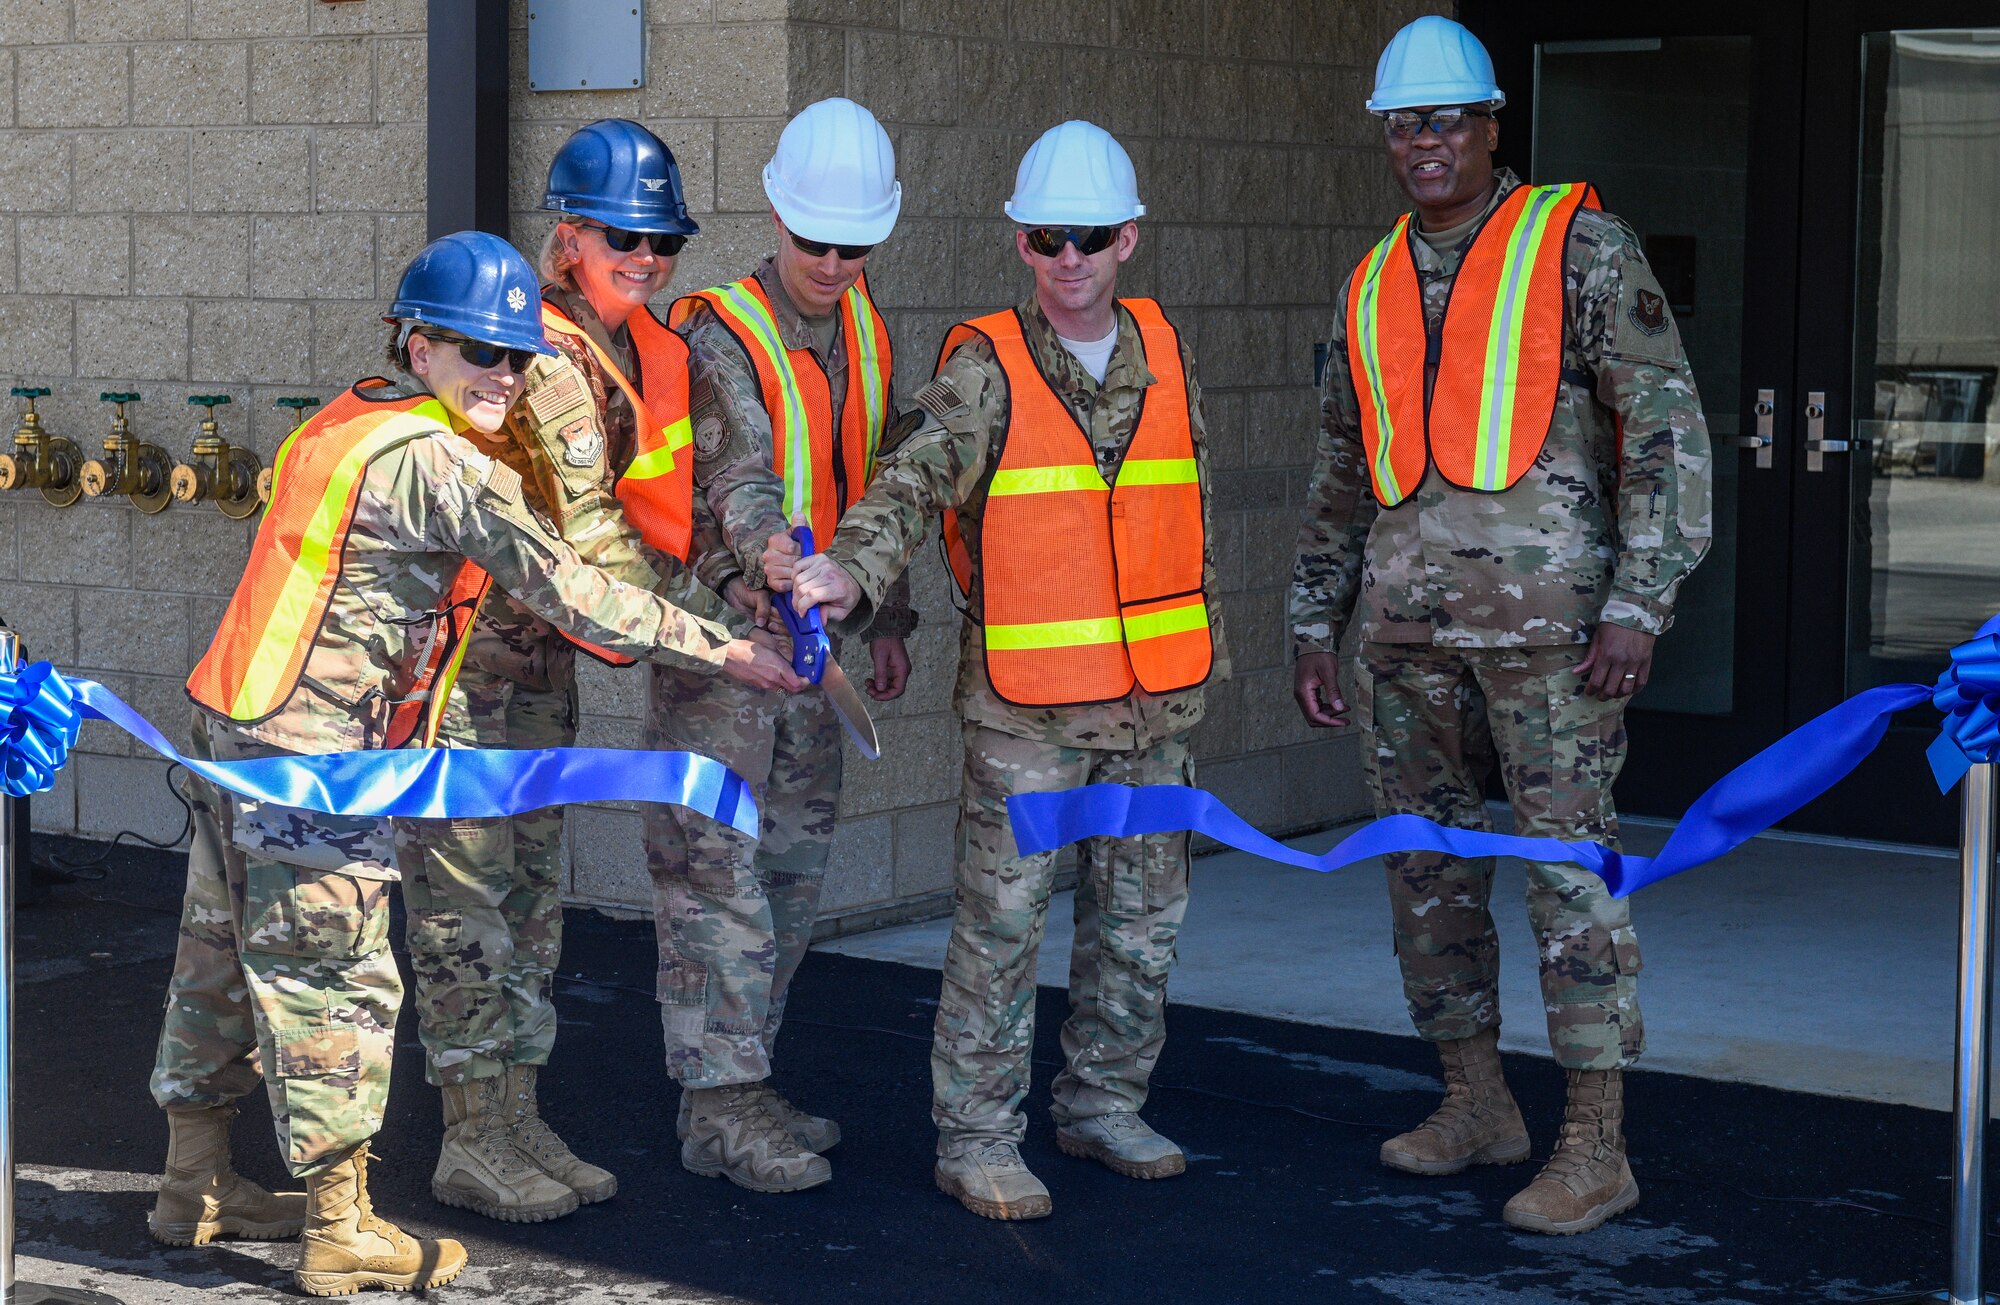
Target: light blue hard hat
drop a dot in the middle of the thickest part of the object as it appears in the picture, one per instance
(1433, 61)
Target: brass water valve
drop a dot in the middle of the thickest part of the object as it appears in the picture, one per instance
(40, 460)
(298, 403)
(220, 470)
(130, 466)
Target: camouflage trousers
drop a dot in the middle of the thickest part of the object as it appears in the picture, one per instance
(1435, 723)
(283, 972)
(483, 898)
(735, 914)
(1130, 898)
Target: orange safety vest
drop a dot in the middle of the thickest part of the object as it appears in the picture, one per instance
(1087, 587)
(260, 651)
(825, 463)
(1499, 361)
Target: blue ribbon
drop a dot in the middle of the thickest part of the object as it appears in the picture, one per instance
(41, 713)
(1748, 800)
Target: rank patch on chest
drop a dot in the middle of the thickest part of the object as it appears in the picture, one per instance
(564, 393)
(583, 443)
(1649, 312)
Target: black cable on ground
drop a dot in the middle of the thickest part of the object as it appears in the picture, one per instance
(72, 868)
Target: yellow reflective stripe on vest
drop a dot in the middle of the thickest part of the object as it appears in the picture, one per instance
(1157, 471)
(1502, 371)
(315, 560)
(660, 461)
(1047, 480)
(868, 361)
(1367, 319)
(1174, 620)
(1055, 634)
(746, 308)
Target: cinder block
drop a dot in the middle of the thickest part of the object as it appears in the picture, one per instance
(1284, 423)
(741, 66)
(398, 237)
(119, 793)
(75, 255)
(8, 515)
(132, 172)
(1226, 541)
(35, 171)
(907, 79)
(127, 630)
(1252, 786)
(950, 18)
(204, 83)
(131, 20)
(402, 79)
(348, 342)
(6, 88)
(1253, 31)
(915, 265)
(741, 150)
(1270, 717)
(921, 761)
(1021, 86)
(205, 618)
(530, 146)
(1117, 89)
(729, 247)
(250, 18)
(256, 341)
(1337, 33)
(816, 65)
(1237, 491)
(34, 22)
(925, 839)
(161, 699)
(1220, 733)
(861, 871)
(1169, 179)
(89, 543)
(957, 173)
(1259, 635)
(260, 170)
(1287, 265)
(1072, 24)
(618, 692)
(378, 16)
(132, 339)
(674, 13)
(182, 255)
(44, 616)
(1324, 784)
(990, 272)
(1243, 183)
(608, 858)
(54, 812)
(1270, 541)
(375, 169)
(317, 81)
(313, 256)
(71, 85)
(190, 550)
(846, 13)
(38, 335)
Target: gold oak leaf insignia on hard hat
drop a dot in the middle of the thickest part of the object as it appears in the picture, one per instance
(1649, 312)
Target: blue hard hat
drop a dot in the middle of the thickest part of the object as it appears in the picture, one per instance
(616, 172)
(1433, 61)
(477, 285)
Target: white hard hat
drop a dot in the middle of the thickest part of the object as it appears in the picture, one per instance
(1433, 61)
(833, 178)
(1075, 175)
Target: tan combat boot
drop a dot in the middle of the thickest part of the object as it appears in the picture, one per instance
(734, 1133)
(1587, 1180)
(479, 1168)
(812, 1132)
(347, 1248)
(1124, 1144)
(201, 1196)
(534, 1139)
(1478, 1124)
(991, 1180)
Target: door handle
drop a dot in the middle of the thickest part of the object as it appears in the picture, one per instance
(1766, 410)
(1817, 445)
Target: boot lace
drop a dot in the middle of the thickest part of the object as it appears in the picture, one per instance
(750, 1107)
(999, 1158)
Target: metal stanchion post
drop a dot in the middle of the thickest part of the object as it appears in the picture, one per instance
(1971, 1093)
(11, 1291)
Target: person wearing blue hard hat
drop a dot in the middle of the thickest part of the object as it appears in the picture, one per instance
(599, 438)
(1512, 483)
(388, 524)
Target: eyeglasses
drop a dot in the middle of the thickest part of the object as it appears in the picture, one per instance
(1049, 241)
(483, 355)
(665, 243)
(819, 249)
(1408, 124)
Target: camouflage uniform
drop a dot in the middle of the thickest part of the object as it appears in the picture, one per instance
(284, 952)
(484, 897)
(1131, 893)
(1475, 612)
(734, 915)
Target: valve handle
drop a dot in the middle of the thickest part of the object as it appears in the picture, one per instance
(30, 391)
(119, 396)
(209, 401)
(297, 402)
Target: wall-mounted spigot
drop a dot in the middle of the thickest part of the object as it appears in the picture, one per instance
(40, 460)
(220, 470)
(298, 403)
(130, 466)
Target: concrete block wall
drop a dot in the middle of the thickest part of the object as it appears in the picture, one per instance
(200, 196)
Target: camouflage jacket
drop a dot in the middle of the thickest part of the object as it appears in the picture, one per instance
(734, 482)
(423, 505)
(569, 437)
(1601, 528)
(944, 463)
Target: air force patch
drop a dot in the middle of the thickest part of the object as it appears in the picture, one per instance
(583, 443)
(1649, 312)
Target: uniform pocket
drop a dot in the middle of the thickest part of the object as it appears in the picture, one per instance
(435, 933)
(318, 1052)
(291, 911)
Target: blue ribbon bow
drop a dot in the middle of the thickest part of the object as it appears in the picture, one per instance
(1748, 800)
(41, 713)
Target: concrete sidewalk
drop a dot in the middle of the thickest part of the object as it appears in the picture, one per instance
(1808, 964)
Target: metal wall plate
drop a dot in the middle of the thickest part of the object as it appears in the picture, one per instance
(586, 45)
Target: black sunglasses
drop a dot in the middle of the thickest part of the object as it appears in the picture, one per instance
(665, 243)
(819, 249)
(1049, 241)
(483, 355)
